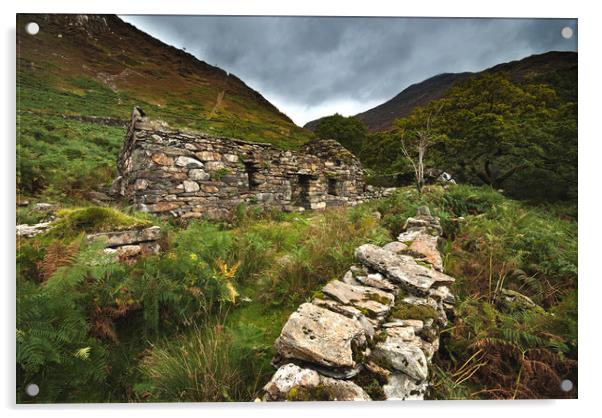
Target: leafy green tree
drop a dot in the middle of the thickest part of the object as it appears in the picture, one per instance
(498, 129)
(504, 134)
(348, 131)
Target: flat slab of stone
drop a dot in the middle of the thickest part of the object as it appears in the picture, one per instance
(426, 222)
(396, 247)
(416, 324)
(129, 253)
(348, 311)
(28, 231)
(413, 277)
(129, 237)
(319, 336)
(378, 281)
(375, 301)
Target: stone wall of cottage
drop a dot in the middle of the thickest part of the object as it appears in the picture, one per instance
(193, 175)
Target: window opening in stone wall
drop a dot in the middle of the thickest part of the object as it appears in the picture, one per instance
(304, 183)
(333, 187)
(252, 170)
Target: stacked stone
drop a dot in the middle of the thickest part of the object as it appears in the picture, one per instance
(192, 175)
(129, 245)
(372, 334)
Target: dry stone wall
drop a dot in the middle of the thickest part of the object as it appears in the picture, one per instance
(130, 244)
(372, 334)
(193, 175)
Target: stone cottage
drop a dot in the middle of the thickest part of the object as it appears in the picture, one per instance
(192, 175)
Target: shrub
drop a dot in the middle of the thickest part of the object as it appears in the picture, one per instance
(193, 280)
(55, 348)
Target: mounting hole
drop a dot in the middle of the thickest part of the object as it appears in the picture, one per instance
(32, 389)
(32, 28)
(566, 385)
(566, 32)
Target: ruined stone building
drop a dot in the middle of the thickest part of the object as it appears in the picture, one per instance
(190, 175)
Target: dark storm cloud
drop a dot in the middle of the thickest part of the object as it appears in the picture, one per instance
(311, 66)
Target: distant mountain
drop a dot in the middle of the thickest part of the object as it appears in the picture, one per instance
(381, 117)
(101, 66)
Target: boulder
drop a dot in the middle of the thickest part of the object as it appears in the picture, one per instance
(287, 377)
(28, 231)
(512, 300)
(44, 207)
(320, 336)
(411, 276)
(294, 383)
(443, 294)
(161, 159)
(132, 236)
(408, 236)
(425, 247)
(402, 356)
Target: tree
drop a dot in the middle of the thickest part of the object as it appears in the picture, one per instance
(498, 129)
(415, 143)
(348, 131)
(500, 133)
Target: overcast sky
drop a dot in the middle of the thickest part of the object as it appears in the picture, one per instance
(314, 66)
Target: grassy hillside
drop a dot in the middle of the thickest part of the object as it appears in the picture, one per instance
(100, 66)
(197, 322)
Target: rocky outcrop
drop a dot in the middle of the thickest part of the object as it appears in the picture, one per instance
(129, 245)
(372, 334)
(29, 231)
(194, 175)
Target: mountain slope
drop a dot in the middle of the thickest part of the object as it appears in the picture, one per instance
(381, 117)
(98, 65)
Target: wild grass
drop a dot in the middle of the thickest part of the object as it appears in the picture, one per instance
(61, 158)
(492, 242)
(260, 265)
(202, 365)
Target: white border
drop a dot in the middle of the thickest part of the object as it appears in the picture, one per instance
(590, 152)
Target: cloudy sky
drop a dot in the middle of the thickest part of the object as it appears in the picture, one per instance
(315, 66)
